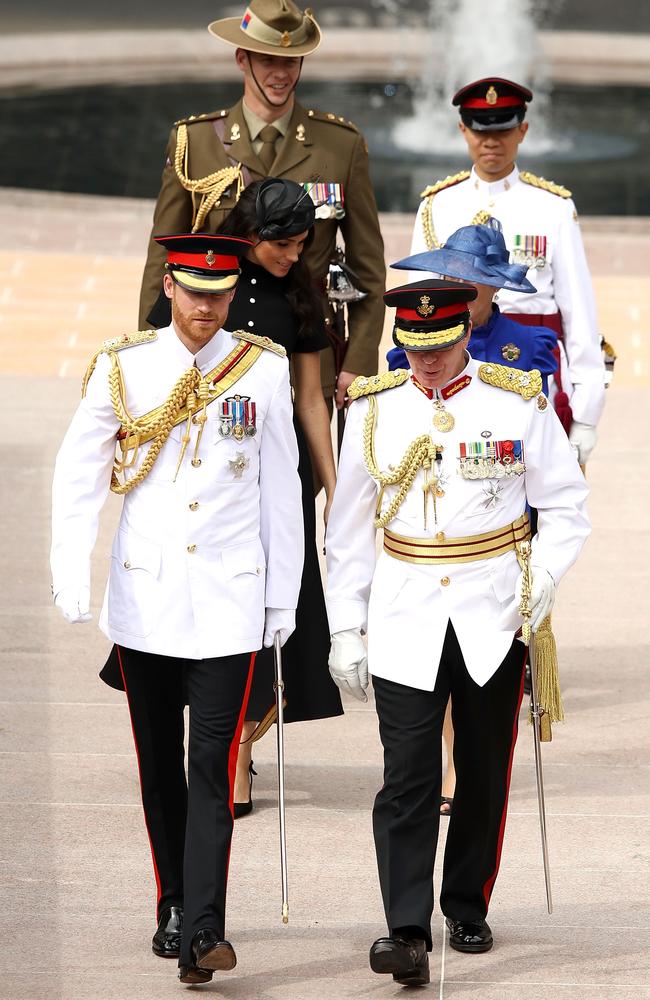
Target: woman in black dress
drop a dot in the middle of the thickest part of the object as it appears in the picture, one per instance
(275, 298)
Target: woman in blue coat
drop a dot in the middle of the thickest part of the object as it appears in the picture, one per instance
(478, 254)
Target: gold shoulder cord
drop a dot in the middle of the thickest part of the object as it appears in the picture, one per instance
(157, 426)
(430, 238)
(419, 455)
(526, 383)
(210, 188)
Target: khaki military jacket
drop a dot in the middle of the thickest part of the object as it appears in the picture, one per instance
(316, 146)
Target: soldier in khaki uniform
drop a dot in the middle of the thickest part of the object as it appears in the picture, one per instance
(267, 133)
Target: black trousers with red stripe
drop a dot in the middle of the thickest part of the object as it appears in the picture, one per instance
(189, 824)
(406, 814)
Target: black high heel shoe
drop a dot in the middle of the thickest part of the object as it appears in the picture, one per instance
(244, 808)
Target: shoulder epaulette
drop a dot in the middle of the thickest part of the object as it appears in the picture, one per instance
(365, 385)
(541, 182)
(254, 338)
(445, 183)
(526, 384)
(208, 116)
(130, 340)
(321, 116)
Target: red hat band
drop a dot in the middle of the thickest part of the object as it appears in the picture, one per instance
(426, 311)
(212, 260)
(500, 102)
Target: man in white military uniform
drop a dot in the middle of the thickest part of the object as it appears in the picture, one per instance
(206, 562)
(444, 460)
(540, 225)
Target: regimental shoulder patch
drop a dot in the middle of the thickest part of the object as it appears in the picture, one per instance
(266, 342)
(526, 384)
(208, 116)
(366, 385)
(449, 181)
(322, 116)
(129, 340)
(542, 402)
(541, 182)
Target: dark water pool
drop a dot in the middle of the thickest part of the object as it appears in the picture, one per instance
(111, 139)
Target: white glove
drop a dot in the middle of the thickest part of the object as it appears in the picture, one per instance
(542, 596)
(278, 620)
(348, 663)
(582, 438)
(74, 604)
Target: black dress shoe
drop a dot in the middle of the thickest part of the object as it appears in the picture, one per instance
(166, 942)
(406, 958)
(191, 976)
(244, 808)
(470, 936)
(211, 953)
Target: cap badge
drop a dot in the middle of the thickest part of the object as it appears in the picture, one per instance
(300, 133)
(235, 134)
(424, 309)
(210, 258)
(510, 352)
(285, 40)
(491, 96)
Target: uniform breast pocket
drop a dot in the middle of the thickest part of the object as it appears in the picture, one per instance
(133, 584)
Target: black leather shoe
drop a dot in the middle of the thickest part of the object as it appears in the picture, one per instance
(211, 953)
(244, 808)
(406, 958)
(166, 941)
(465, 935)
(191, 976)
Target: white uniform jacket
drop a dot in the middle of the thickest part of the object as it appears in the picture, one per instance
(196, 561)
(406, 607)
(562, 280)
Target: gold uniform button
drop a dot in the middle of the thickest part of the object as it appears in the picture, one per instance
(445, 581)
(127, 564)
(440, 537)
(194, 505)
(191, 548)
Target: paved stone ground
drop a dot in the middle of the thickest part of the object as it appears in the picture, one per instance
(78, 892)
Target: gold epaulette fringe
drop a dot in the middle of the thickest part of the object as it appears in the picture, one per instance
(266, 342)
(365, 385)
(541, 182)
(526, 384)
(445, 183)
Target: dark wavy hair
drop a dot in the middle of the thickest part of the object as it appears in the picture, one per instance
(299, 289)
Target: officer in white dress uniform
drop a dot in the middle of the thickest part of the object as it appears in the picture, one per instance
(444, 458)
(206, 563)
(540, 225)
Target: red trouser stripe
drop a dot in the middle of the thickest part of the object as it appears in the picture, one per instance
(234, 746)
(234, 751)
(489, 885)
(137, 754)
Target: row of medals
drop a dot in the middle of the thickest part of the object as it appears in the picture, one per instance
(238, 432)
(471, 469)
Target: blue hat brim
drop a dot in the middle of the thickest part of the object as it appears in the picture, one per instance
(453, 264)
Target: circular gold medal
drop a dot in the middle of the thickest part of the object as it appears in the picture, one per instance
(443, 421)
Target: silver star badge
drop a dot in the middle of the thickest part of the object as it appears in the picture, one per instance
(492, 493)
(238, 464)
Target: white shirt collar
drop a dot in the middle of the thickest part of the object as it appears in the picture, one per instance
(495, 187)
(210, 354)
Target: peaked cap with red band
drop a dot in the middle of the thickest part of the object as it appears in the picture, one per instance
(430, 315)
(203, 263)
(492, 104)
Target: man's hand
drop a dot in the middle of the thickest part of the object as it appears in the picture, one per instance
(74, 604)
(542, 596)
(582, 438)
(278, 620)
(348, 663)
(343, 383)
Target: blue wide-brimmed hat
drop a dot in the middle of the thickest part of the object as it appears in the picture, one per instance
(473, 253)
